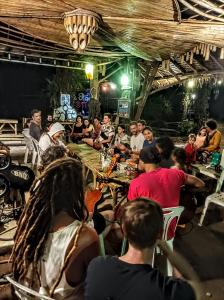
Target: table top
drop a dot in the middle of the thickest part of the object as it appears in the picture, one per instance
(210, 172)
(91, 159)
(9, 121)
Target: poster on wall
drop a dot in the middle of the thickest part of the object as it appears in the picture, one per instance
(123, 109)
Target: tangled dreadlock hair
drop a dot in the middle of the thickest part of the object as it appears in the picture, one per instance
(59, 188)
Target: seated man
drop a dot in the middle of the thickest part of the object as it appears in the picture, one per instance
(160, 184)
(132, 276)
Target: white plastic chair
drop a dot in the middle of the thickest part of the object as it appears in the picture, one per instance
(170, 214)
(217, 197)
(36, 158)
(25, 293)
(29, 147)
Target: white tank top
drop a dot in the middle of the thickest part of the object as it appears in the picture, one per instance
(52, 262)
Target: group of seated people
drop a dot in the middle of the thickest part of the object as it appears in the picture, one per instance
(56, 251)
(56, 248)
(103, 136)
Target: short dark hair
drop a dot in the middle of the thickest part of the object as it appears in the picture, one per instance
(51, 154)
(142, 222)
(122, 126)
(107, 115)
(166, 146)
(133, 123)
(79, 116)
(150, 155)
(35, 111)
(212, 124)
(180, 155)
(143, 122)
(147, 128)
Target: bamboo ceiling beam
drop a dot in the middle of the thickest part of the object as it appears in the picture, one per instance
(209, 5)
(178, 66)
(184, 78)
(216, 62)
(201, 13)
(190, 66)
(207, 11)
(200, 64)
(174, 74)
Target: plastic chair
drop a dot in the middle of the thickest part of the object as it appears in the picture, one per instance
(217, 197)
(170, 214)
(36, 158)
(29, 147)
(25, 293)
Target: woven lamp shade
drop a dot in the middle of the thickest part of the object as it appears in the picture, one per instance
(81, 25)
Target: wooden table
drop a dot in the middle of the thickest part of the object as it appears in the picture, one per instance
(10, 123)
(90, 159)
(209, 172)
(69, 123)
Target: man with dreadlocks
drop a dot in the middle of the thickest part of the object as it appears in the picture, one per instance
(53, 246)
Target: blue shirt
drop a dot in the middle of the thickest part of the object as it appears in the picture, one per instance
(150, 145)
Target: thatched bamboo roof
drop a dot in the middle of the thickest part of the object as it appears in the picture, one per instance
(148, 29)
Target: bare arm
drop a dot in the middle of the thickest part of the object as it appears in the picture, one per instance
(194, 181)
(87, 249)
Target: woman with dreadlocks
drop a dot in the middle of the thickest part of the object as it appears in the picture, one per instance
(53, 246)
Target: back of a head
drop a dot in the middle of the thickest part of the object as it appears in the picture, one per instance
(180, 155)
(64, 181)
(166, 146)
(212, 124)
(142, 222)
(51, 154)
(150, 155)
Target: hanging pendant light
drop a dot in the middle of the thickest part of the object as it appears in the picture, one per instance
(80, 24)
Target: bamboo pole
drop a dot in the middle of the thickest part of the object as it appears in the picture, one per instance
(196, 10)
(209, 5)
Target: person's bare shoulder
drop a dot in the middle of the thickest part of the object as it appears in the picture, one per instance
(88, 236)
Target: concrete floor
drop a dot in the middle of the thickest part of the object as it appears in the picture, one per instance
(203, 247)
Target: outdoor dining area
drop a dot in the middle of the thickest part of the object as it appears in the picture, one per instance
(111, 150)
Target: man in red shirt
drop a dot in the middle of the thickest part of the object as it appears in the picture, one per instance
(159, 184)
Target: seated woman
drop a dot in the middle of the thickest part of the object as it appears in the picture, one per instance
(52, 138)
(53, 245)
(149, 138)
(87, 128)
(201, 138)
(76, 134)
(124, 151)
(95, 134)
(121, 136)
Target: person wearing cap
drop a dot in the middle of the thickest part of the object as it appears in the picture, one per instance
(52, 137)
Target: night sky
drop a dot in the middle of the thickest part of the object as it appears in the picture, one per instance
(21, 89)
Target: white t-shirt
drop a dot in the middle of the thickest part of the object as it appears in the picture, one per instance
(137, 141)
